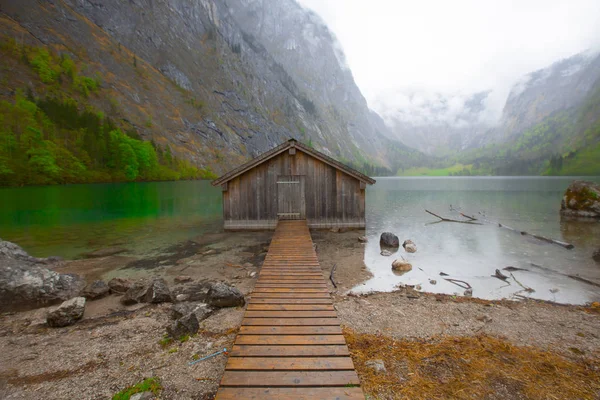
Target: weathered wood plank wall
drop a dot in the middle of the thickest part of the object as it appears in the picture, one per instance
(331, 197)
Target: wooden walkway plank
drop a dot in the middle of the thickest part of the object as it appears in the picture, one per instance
(290, 330)
(289, 379)
(345, 393)
(290, 351)
(290, 344)
(290, 363)
(290, 307)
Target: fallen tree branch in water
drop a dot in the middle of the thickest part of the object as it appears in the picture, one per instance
(500, 275)
(574, 277)
(526, 288)
(580, 279)
(458, 282)
(567, 246)
(468, 216)
(452, 220)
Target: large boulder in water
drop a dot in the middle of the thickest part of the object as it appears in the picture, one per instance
(388, 239)
(67, 313)
(581, 200)
(26, 283)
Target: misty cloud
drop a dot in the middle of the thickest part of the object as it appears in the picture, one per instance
(454, 63)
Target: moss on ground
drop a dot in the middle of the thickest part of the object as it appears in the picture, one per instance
(470, 367)
(147, 385)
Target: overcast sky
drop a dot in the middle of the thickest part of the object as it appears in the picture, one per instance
(404, 54)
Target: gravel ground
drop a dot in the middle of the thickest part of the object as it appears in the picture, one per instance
(115, 346)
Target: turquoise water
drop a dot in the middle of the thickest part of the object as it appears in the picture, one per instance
(473, 252)
(70, 220)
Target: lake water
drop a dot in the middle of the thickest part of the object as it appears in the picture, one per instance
(71, 220)
(472, 253)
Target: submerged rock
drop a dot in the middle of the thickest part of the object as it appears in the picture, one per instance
(119, 285)
(388, 239)
(26, 283)
(155, 291)
(401, 265)
(67, 313)
(363, 239)
(95, 290)
(186, 325)
(582, 200)
(409, 246)
(109, 251)
(182, 279)
(386, 253)
(596, 256)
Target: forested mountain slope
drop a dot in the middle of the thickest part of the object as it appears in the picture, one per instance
(193, 77)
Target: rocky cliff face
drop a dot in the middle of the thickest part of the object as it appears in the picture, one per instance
(218, 81)
(561, 86)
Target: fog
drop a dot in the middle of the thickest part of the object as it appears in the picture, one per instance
(422, 61)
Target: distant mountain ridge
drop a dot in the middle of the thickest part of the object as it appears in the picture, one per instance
(538, 95)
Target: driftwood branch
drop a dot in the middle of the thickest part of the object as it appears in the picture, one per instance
(525, 288)
(452, 220)
(458, 282)
(500, 275)
(575, 277)
(331, 275)
(567, 246)
(468, 217)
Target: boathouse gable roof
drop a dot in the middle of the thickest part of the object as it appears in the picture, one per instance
(292, 143)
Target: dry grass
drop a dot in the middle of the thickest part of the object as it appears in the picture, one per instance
(478, 367)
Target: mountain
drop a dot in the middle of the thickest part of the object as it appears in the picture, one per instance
(441, 125)
(563, 85)
(212, 82)
(437, 124)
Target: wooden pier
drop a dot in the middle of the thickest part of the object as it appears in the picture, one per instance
(290, 344)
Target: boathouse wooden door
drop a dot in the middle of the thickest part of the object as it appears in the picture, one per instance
(290, 197)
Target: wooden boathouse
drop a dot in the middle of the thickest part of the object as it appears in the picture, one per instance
(293, 181)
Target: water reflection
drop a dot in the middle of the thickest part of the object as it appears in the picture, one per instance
(473, 252)
(70, 220)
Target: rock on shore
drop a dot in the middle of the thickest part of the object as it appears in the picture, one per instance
(582, 200)
(154, 291)
(26, 282)
(67, 313)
